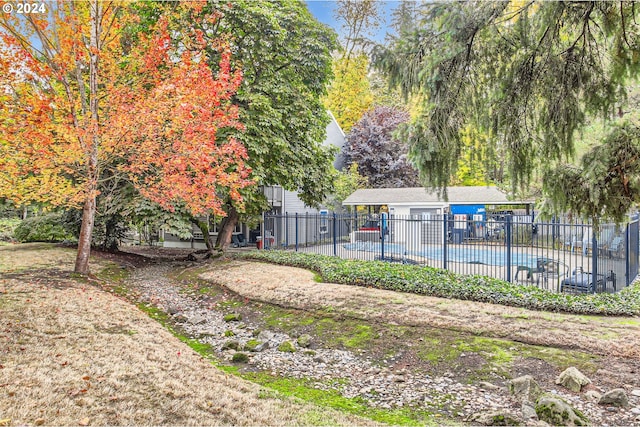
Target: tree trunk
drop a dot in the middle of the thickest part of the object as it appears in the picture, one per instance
(86, 230)
(204, 228)
(93, 142)
(226, 229)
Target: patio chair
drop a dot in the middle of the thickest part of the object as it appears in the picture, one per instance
(549, 273)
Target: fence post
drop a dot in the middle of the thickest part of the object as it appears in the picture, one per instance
(335, 235)
(262, 231)
(627, 255)
(445, 245)
(381, 238)
(508, 241)
(286, 230)
(594, 262)
(296, 231)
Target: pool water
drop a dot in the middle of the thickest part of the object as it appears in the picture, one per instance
(469, 255)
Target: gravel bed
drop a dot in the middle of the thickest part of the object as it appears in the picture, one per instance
(351, 374)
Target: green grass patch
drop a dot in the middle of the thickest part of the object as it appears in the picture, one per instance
(230, 304)
(284, 319)
(113, 273)
(445, 284)
(208, 290)
(445, 349)
(303, 389)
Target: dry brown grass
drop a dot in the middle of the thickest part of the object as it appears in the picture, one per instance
(73, 355)
(296, 288)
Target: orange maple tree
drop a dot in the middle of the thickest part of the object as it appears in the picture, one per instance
(81, 95)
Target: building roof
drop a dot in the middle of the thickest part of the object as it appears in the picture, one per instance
(420, 195)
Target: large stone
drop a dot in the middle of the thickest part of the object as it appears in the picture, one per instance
(525, 389)
(255, 346)
(485, 385)
(557, 412)
(197, 320)
(265, 335)
(573, 379)
(231, 345)
(495, 418)
(304, 340)
(616, 397)
(592, 395)
(529, 412)
(635, 393)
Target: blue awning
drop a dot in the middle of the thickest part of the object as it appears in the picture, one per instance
(468, 209)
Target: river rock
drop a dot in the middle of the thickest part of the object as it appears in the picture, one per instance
(525, 388)
(180, 318)
(495, 418)
(592, 395)
(573, 379)
(529, 412)
(635, 393)
(557, 412)
(304, 340)
(485, 385)
(197, 320)
(615, 397)
(231, 345)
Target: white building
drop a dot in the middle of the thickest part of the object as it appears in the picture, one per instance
(468, 205)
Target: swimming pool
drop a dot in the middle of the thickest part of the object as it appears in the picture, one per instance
(468, 254)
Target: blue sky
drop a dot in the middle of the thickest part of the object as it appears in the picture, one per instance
(323, 11)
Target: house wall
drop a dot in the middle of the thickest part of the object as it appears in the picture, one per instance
(415, 233)
(285, 231)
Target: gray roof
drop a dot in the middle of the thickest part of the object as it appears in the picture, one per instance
(420, 195)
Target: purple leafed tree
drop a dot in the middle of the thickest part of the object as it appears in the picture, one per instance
(379, 155)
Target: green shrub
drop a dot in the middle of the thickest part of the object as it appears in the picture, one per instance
(441, 283)
(7, 228)
(45, 228)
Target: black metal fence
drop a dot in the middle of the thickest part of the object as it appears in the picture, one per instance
(560, 255)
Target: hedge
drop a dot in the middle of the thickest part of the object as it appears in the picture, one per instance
(45, 228)
(441, 283)
(7, 228)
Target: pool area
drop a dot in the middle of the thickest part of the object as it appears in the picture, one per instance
(463, 254)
